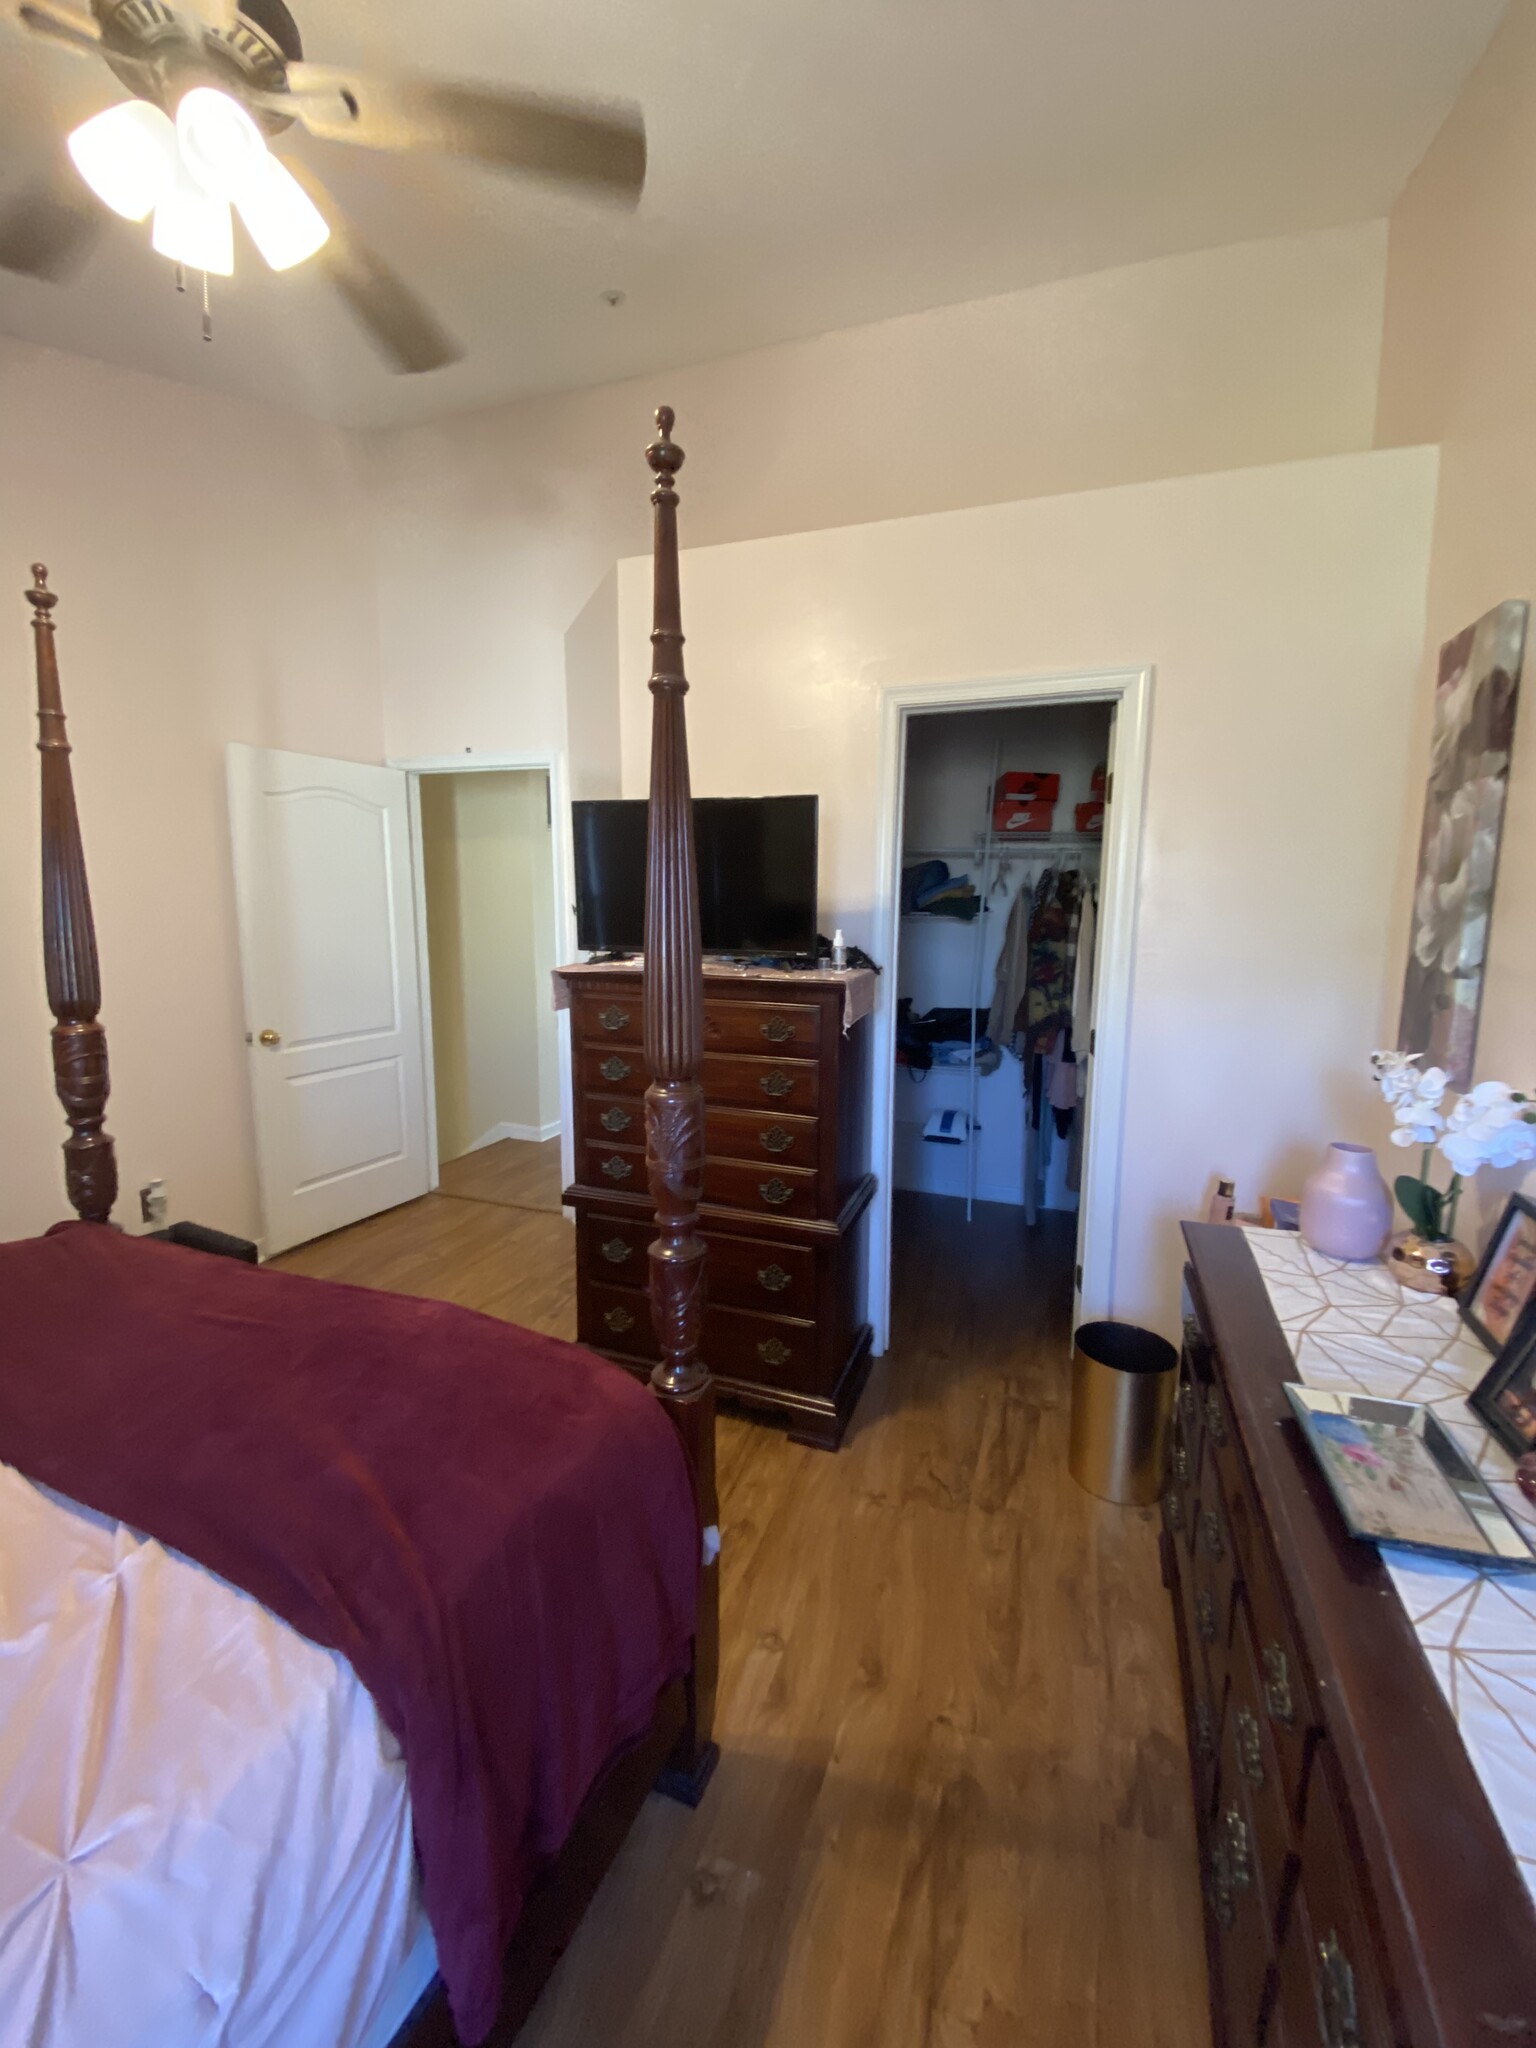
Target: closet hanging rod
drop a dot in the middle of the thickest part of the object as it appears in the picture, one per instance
(1042, 842)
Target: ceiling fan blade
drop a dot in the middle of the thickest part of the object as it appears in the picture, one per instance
(62, 25)
(601, 148)
(401, 328)
(49, 227)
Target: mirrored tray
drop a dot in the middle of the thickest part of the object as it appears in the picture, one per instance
(1399, 1477)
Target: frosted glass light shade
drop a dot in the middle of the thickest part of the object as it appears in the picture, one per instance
(127, 156)
(284, 222)
(221, 146)
(195, 229)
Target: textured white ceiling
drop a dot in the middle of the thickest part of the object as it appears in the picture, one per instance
(814, 164)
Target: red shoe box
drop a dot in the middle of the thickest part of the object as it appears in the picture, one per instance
(1090, 817)
(1024, 786)
(1100, 779)
(1015, 819)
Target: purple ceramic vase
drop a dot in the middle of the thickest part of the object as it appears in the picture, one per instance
(1346, 1207)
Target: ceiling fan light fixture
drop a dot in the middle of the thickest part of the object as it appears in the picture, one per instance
(221, 146)
(282, 219)
(195, 229)
(127, 156)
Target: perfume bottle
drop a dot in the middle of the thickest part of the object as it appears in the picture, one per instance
(839, 951)
(1222, 1202)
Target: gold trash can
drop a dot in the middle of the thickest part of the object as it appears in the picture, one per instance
(1123, 1382)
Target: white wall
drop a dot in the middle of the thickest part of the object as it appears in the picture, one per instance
(1282, 609)
(497, 527)
(216, 582)
(489, 883)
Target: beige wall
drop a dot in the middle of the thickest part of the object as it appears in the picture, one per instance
(489, 876)
(1282, 610)
(497, 528)
(1459, 367)
(216, 582)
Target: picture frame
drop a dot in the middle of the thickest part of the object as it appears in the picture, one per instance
(1494, 1303)
(1505, 1398)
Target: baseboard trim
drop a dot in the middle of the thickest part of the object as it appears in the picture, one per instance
(528, 1134)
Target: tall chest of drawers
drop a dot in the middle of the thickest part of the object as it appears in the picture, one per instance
(786, 1189)
(1359, 1892)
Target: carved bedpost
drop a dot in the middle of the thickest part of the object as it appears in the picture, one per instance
(674, 1101)
(80, 1071)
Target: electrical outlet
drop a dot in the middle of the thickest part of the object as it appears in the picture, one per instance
(153, 1204)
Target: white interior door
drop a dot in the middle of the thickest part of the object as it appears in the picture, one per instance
(1089, 1051)
(332, 998)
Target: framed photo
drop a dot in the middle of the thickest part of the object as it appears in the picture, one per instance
(1504, 1285)
(1506, 1398)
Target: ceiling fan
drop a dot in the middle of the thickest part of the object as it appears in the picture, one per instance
(213, 85)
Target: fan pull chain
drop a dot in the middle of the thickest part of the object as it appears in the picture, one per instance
(207, 311)
(181, 279)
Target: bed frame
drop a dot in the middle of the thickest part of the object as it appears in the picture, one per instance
(677, 1755)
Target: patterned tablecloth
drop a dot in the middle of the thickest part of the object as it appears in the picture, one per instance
(1354, 1328)
(860, 985)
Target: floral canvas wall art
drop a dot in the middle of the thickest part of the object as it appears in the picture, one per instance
(1474, 730)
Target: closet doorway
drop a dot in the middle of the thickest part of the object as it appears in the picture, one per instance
(486, 914)
(1011, 817)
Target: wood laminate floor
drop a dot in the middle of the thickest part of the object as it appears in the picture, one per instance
(516, 1172)
(953, 1808)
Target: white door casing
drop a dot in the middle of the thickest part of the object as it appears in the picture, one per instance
(323, 891)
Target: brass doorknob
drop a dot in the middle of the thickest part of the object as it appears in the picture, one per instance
(271, 1038)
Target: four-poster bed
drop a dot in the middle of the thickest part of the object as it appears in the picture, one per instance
(383, 1478)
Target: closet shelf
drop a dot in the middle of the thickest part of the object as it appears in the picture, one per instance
(1003, 849)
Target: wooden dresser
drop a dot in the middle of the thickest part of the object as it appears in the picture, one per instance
(786, 1095)
(1358, 1890)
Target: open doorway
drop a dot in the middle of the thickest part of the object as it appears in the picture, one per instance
(488, 915)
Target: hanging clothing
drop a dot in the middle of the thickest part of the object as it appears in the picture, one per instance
(1052, 956)
(1012, 974)
(1082, 977)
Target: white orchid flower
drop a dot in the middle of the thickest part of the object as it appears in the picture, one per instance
(1489, 1126)
(1396, 1073)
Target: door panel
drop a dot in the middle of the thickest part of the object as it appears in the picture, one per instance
(333, 1010)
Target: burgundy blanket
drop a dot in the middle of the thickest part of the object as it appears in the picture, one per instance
(496, 1529)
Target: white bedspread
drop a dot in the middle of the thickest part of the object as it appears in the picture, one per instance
(204, 1834)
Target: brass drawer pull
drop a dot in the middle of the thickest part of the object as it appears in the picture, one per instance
(613, 1018)
(1180, 1464)
(776, 1139)
(774, 1278)
(1219, 1882)
(778, 1030)
(1277, 1686)
(773, 1353)
(1205, 1617)
(1336, 2004)
(1187, 1404)
(617, 1168)
(616, 1251)
(615, 1069)
(776, 1082)
(1239, 1848)
(775, 1192)
(1250, 1748)
(1215, 1421)
(1205, 1732)
(1210, 1535)
(616, 1119)
(1173, 1509)
(619, 1320)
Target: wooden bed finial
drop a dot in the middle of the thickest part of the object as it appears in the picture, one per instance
(674, 1101)
(80, 1071)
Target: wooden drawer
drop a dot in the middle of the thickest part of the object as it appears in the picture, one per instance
(752, 1273)
(611, 1070)
(1290, 1716)
(761, 1135)
(1336, 1952)
(608, 1019)
(768, 1190)
(1239, 1902)
(760, 1027)
(616, 1319)
(739, 1079)
(607, 1165)
(615, 1251)
(1214, 1566)
(1257, 1763)
(772, 1351)
(612, 1119)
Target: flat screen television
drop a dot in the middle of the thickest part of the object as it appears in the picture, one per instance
(757, 874)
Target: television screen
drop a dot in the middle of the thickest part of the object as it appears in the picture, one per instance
(757, 873)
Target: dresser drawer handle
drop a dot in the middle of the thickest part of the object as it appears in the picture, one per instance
(619, 1320)
(777, 1083)
(775, 1192)
(773, 1353)
(1336, 2004)
(1205, 1617)
(1180, 1464)
(1219, 1883)
(1277, 1686)
(1239, 1848)
(776, 1139)
(617, 1168)
(1205, 1732)
(1173, 1509)
(613, 1018)
(1210, 1535)
(774, 1278)
(616, 1251)
(1215, 1420)
(615, 1069)
(1250, 1748)
(778, 1031)
(616, 1119)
